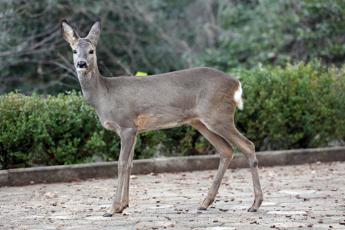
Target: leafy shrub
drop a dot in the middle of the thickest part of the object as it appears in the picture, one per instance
(52, 130)
(298, 106)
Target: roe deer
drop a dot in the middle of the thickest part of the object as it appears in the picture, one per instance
(204, 98)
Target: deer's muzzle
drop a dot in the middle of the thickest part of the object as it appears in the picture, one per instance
(81, 64)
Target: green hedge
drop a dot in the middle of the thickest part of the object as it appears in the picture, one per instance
(53, 130)
(297, 106)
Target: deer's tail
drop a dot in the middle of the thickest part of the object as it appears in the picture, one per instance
(238, 97)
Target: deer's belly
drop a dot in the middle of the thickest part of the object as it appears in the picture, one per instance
(147, 122)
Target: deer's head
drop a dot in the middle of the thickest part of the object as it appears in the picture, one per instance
(84, 49)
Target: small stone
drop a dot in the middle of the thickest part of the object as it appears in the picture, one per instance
(223, 210)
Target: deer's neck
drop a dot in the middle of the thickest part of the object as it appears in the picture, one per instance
(91, 85)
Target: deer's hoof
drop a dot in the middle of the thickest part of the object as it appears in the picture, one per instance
(119, 207)
(252, 209)
(107, 214)
(207, 202)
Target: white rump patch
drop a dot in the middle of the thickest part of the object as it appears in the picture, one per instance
(238, 97)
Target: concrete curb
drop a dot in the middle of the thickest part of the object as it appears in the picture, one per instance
(66, 173)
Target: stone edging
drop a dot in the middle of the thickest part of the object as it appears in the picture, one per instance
(66, 173)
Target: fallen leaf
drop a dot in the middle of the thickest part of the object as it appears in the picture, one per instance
(50, 195)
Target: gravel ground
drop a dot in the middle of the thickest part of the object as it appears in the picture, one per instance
(304, 196)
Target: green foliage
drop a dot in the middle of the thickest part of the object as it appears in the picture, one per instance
(52, 130)
(276, 32)
(298, 106)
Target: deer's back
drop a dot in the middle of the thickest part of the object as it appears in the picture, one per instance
(196, 83)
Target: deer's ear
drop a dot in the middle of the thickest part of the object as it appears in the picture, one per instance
(69, 33)
(94, 32)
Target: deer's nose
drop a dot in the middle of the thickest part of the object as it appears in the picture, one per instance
(81, 64)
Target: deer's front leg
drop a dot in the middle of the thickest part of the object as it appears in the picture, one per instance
(128, 137)
(125, 192)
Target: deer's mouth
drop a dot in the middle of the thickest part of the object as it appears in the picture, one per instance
(81, 68)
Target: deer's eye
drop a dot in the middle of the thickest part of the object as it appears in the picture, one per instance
(74, 51)
(91, 52)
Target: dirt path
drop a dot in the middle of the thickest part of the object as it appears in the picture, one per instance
(294, 197)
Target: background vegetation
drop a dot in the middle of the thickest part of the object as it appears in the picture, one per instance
(288, 54)
(158, 36)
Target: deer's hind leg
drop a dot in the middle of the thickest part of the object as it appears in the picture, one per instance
(224, 126)
(225, 151)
